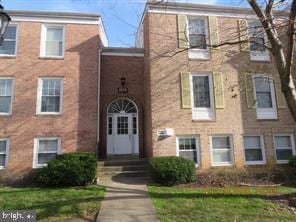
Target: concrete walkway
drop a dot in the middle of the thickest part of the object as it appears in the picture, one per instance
(127, 201)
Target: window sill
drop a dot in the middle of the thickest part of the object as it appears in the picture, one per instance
(5, 114)
(2, 167)
(282, 162)
(255, 163)
(3, 56)
(39, 166)
(259, 57)
(222, 164)
(48, 114)
(197, 54)
(51, 58)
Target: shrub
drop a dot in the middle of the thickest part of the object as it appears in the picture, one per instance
(172, 170)
(292, 161)
(70, 169)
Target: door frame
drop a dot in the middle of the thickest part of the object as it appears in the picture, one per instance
(135, 137)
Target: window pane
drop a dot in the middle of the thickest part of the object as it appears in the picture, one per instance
(10, 33)
(257, 44)
(221, 156)
(252, 142)
(253, 154)
(198, 41)
(43, 158)
(5, 104)
(3, 146)
(54, 48)
(282, 141)
(2, 160)
(283, 154)
(190, 155)
(48, 145)
(5, 87)
(122, 125)
(50, 104)
(201, 91)
(264, 100)
(54, 34)
(262, 84)
(134, 125)
(197, 26)
(7, 48)
(221, 142)
(110, 125)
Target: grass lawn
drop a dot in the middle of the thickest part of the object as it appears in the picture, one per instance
(54, 204)
(220, 204)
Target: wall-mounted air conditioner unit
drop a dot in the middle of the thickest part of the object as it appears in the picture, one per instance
(165, 132)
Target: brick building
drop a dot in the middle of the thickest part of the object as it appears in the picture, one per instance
(63, 90)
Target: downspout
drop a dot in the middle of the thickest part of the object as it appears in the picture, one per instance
(98, 100)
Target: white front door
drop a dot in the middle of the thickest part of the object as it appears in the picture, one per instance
(123, 138)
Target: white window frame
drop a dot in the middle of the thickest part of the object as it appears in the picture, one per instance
(39, 96)
(12, 96)
(266, 113)
(259, 55)
(203, 113)
(197, 143)
(36, 148)
(262, 150)
(292, 144)
(44, 28)
(231, 150)
(6, 153)
(16, 41)
(203, 54)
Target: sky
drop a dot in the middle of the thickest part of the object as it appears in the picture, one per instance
(121, 17)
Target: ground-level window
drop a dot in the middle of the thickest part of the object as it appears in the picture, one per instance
(188, 147)
(46, 148)
(284, 147)
(222, 150)
(4, 143)
(254, 150)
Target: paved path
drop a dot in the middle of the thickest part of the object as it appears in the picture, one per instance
(127, 201)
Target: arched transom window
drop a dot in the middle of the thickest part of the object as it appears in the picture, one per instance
(122, 106)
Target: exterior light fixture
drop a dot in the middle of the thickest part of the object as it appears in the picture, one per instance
(4, 21)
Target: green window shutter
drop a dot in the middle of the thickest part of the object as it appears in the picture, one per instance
(243, 35)
(219, 93)
(214, 33)
(182, 32)
(251, 100)
(280, 97)
(185, 90)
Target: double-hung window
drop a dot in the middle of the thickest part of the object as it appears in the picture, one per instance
(202, 97)
(50, 93)
(188, 147)
(257, 36)
(52, 41)
(222, 150)
(284, 147)
(254, 150)
(265, 97)
(4, 143)
(6, 95)
(198, 37)
(9, 45)
(46, 148)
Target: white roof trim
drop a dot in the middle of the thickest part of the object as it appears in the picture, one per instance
(134, 54)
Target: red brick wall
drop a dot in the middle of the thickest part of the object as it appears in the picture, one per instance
(113, 68)
(77, 124)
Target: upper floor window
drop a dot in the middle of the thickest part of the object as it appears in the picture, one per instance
(202, 97)
(258, 40)
(284, 147)
(50, 92)
(6, 95)
(52, 41)
(265, 97)
(198, 37)
(9, 44)
(4, 143)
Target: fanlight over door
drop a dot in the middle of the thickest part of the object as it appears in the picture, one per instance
(122, 106)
